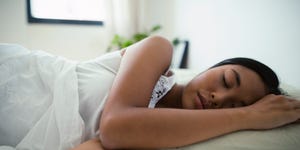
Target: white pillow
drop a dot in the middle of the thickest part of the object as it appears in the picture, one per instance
(283, 138)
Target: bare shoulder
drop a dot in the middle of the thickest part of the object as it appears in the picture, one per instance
(141, 66)
(156, 46)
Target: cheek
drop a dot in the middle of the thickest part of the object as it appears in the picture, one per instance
(257, 90)
(250, 96)
(253, 86)
(187, 96)
(198, 82)
(209, 82)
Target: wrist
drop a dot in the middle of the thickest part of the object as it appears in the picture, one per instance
(241, 118)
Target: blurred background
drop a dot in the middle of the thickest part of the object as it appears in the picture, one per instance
(266, 30)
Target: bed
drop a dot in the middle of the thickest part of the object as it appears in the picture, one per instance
(283, 138)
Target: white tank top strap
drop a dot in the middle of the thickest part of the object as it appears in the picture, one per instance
(162, 87)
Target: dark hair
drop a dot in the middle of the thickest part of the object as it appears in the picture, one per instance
(267, 75)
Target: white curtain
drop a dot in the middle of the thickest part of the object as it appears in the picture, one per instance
(124, 17)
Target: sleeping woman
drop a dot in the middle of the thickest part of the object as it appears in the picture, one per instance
(128, 99)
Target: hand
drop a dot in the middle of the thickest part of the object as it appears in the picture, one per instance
(273, 111)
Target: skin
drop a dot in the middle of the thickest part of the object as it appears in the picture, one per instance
(226, 86)
(126, 122)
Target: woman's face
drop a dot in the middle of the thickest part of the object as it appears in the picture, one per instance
(226, 86)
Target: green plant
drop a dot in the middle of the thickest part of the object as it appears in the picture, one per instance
(119, 42)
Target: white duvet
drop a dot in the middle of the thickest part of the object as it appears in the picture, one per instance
(53, 122)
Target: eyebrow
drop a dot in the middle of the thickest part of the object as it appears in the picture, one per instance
(237, 77)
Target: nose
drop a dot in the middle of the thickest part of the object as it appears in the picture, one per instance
(220, 100)
(214, 103)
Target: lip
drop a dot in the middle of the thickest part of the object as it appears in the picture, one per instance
(199, 101)
(205, 103)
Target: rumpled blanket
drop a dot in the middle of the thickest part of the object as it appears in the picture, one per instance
(38, 101)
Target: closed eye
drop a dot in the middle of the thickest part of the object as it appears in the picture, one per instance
(225, 84)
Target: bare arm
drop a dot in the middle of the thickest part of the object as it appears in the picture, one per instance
(93, 144)
(127, 123)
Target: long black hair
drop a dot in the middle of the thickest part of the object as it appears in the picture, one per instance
(267, 75)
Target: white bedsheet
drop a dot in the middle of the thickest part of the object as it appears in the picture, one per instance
(38, 119)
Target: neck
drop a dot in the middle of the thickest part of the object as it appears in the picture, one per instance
(173, 98)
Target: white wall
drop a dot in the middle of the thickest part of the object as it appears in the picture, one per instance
(79, 42)
(159, 12)
(266, 30)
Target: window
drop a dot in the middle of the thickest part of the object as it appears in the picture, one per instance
(89, 12)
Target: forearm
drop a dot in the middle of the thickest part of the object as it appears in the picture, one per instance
(93, 144)
(156, 128)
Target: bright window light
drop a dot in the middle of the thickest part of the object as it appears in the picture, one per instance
(67, 10)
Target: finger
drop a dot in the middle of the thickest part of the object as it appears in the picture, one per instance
(292, 102)
(295, 103)
(292, 98)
